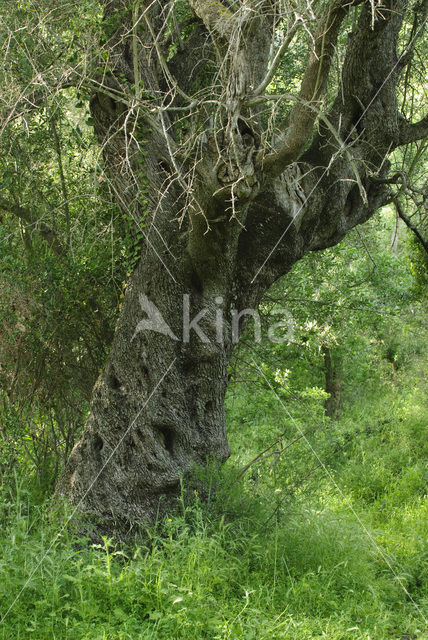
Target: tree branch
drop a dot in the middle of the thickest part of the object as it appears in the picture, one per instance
(409, 223)
(313, 85)
(190, 61)
(413, 132)
(278, 57)
(215, 16)
(46, 232)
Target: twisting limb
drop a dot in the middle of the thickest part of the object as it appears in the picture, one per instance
(409, 223)
(313, 85)
(413, 132)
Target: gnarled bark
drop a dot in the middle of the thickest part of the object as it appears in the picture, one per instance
(221, 227)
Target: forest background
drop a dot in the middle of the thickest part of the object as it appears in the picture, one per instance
(317, 525)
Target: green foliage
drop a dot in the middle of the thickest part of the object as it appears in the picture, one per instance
(326, 537)
(234, 566)
(316, 527)
(59, 302)
(322, 535)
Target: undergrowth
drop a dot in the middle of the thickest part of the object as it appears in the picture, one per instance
(279, 553)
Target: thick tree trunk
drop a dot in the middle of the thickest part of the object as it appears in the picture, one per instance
(158, 406)
(248, 213)
(157, 409)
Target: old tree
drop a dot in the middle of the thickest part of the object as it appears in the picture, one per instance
(238, 135)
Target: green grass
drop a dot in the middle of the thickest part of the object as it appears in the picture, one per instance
(266, 558)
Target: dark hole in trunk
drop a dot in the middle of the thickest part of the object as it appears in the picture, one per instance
(98, 443)
(113, 381)
(167, 438)
(196, 282)
(145, 371)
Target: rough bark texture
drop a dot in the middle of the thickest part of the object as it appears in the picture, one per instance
(248, 215)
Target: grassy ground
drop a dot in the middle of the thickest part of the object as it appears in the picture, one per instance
(295, 549)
